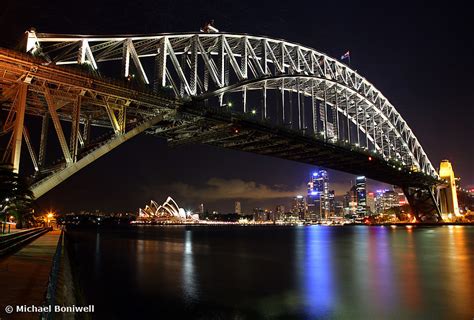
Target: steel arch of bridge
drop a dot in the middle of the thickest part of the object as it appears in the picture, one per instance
(345, 107)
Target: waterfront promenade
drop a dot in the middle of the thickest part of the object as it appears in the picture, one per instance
(25, 274)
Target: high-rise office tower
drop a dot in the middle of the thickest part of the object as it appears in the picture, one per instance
(237, 208)
(360, 187)
(318, 195)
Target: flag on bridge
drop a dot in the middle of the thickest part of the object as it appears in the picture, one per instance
(346, 55)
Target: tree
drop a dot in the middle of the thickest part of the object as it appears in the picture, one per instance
(15, 197)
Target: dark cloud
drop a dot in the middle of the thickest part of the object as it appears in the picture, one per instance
(221, 189)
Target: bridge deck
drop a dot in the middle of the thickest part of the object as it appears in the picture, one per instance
(231, 131)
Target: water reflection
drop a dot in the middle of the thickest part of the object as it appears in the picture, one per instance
(188, 272)
(255, 273)
(381, 285)
(318, 279)
(410, 275)
(459, 266)
(97, 253)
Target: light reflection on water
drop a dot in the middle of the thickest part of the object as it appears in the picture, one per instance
(189, 281)
(317, 275)
(278, 272)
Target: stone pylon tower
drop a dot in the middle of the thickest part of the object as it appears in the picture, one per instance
(448, 195)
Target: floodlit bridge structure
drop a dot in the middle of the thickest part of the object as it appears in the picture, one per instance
(249, 93)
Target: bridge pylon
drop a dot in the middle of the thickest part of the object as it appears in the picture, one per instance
(448, 198)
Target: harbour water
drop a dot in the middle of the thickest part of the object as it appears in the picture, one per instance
(312, 272)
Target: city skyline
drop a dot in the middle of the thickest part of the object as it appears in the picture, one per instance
(247, 206)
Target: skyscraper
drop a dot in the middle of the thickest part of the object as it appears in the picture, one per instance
(280, 212)
(371, 202)
(386, 199)
(238, 209)
(260, 214)
(338, 208)
(361, 196)
(331, 202)
(318, 195)
(347, 200)
(401, 196)
(299, 206)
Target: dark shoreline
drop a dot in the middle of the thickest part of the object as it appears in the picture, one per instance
(135, 226)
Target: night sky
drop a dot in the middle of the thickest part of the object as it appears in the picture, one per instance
(420, 57)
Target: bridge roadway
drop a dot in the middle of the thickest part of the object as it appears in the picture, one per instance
(244, 133)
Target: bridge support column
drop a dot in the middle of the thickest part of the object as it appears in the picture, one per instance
(423, 203)
(160, 66)
(18, 128)
(43, 141)
(75, 128)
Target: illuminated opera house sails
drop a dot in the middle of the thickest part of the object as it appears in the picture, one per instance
(168, 210)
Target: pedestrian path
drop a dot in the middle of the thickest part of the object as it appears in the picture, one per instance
(24, 275)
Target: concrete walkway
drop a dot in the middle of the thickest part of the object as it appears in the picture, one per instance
(24, 275)
(8, 231)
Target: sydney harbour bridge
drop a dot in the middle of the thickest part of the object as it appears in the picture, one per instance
(250, 93)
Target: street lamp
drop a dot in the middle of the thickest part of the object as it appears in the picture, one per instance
(48, 218)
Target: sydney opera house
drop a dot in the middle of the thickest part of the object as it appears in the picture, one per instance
(169, 211)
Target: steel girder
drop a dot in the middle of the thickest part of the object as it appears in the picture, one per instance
(74, 102)
(345, 106)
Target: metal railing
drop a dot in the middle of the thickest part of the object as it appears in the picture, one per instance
(50, 297)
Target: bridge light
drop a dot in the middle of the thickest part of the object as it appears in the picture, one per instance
(254, 111)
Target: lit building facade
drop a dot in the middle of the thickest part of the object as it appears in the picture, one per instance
(338, 208)
(402, 200)
(371, 202)
(331, 202)
(237, 208)
(386, 199)
(260, 214)
(350, 202)
(280, 212)
(318, 195)
(299, 206)
(360, 187)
